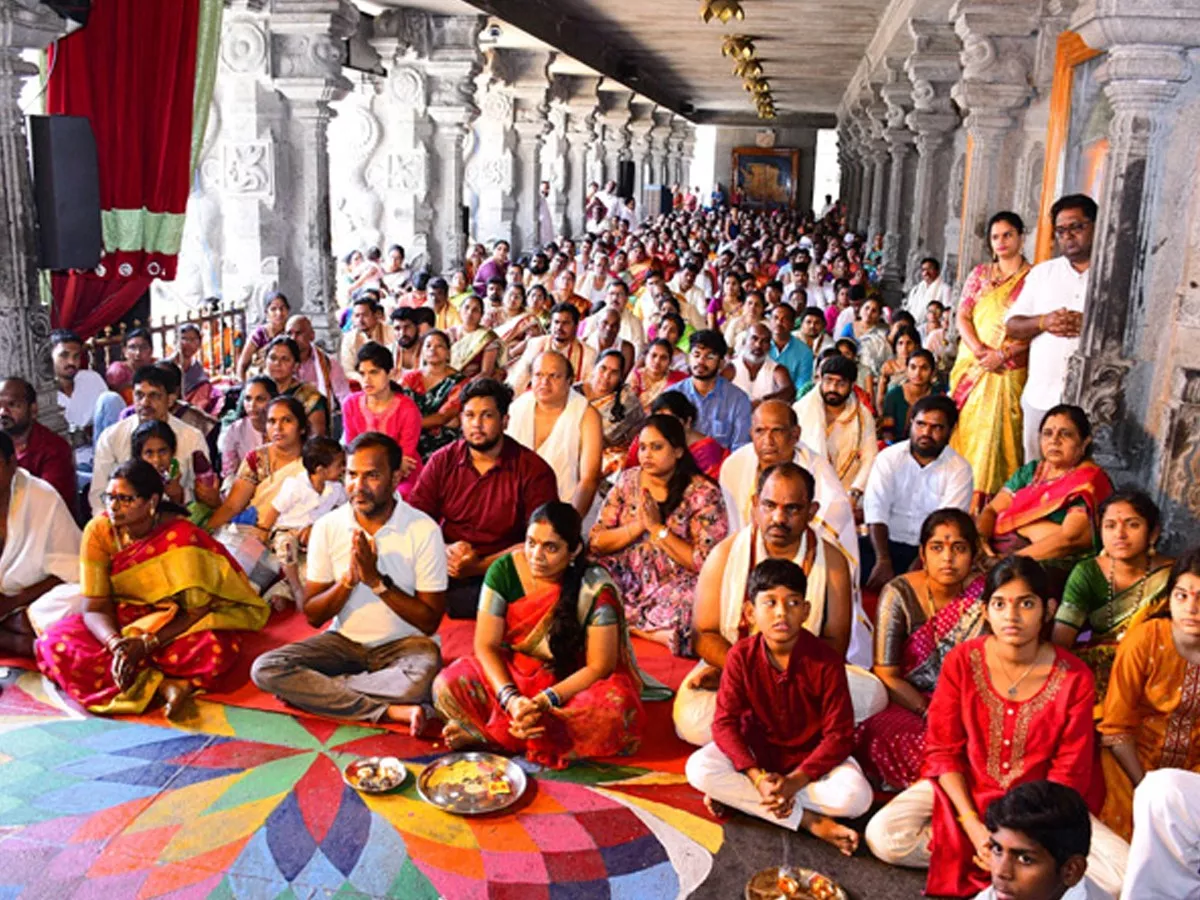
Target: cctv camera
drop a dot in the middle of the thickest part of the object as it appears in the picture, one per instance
(493, 31)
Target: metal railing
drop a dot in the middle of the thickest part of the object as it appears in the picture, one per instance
(222, 330)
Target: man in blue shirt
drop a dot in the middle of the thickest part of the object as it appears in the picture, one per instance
(790, 352)
(722, 410)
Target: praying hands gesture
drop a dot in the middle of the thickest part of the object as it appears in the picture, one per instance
(650, 516)
(128, 653)
(363, 561)
(525, 714)
(778, 792)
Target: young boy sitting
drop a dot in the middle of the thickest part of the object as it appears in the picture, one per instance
(302, 499)
(1041, 834)
(784, 727)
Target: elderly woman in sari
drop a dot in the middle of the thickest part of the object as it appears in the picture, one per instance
(435, 387)
(164, 605)
(657, 526)
(1150, 716)
(620, 413)
(553, 675)
(283, 362)
(1047, 510)
(655, 374)
(922, 616)
(474, 350)
(990, 370)
(1107, 595)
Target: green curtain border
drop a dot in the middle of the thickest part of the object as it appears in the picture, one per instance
(135, 230)
(208, 47)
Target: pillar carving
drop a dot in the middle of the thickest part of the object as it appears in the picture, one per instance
(613, 127)
(998, 38)
(490, 173)
(641, 121)
(553, 158)
(689, 153)
(675, 139)
(530, 93)
(860, 217)
(658, 136)
(24, 340)
(875, 111)
(897, 96)
(1145, 65)
(933, 68)
(578, 101)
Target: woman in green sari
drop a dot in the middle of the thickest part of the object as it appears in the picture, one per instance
(1106, 595)
(435, 387)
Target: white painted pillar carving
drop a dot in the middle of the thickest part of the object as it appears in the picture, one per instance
(997, 55)
(553, 158)
(614, 120)
(578, 104)
(640, 123)
(933, 68)
(897, 95)
(658, 136)
(24, 338)
(490, 172)
(530, 93)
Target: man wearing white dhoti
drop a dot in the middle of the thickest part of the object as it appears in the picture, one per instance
(780, 530)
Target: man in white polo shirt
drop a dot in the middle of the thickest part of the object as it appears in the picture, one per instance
(1049, 312)
(908, 481)
(377, 570)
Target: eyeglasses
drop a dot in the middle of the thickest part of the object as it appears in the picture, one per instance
(119, 499)
(1063, 231)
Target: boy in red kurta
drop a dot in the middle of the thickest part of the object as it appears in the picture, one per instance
(784, 727)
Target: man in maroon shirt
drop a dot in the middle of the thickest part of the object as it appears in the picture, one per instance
(40, 451)
(481, 490)
(784, 725)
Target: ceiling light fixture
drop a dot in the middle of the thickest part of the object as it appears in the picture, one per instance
(722, 10)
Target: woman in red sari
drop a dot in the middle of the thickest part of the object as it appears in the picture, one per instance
(165, 605)
(1047, 510)
(708, 454)
(1009, 708)
(553, 675)
(922, 616)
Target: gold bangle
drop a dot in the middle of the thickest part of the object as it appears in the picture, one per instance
(755, 779)
(962, 820)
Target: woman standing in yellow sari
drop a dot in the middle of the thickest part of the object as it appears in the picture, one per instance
(990, 371)
(165, 603)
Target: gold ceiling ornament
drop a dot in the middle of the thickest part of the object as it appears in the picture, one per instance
(722, 10)
(748, 68)
(757, 85)
(737, 46)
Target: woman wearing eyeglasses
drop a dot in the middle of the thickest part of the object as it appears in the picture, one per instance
(164, 610)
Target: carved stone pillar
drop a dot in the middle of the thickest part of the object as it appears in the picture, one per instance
(675, 171)
(861, 220)
(933, 68)
(997, 56)
(553, 158)
(641, 121)
(579, 104)
(658, 138)
(882, 161)
(689, 152)
(24, 337)
(897, 95)
(491, 170)
(613, 126)
(530, 124)
(1146, 62)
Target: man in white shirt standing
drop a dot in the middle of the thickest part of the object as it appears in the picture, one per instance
(152, 400)
(910, 480)
(1049, 312)
(930, 287)
(377, 570)
(83, 395)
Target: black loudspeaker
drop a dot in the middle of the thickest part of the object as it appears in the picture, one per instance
(66, 192)
(625, 176)
(656, 200)
(464, 220)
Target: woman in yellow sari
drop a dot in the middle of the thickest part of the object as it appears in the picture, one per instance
(1152, 708)
(165, 603)
(475, 350)
(990, 371)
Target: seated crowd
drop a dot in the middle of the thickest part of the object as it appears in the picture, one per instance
(880, 534)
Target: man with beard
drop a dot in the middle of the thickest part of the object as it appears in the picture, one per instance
(722, 410)
(408, 339)
(1049, 311)
(481, 490)
(606, 335)
(755, 373)
(909, 481)
(152, 390)
(564, 324)
(318, 368)
(783, 512)
(367, 317)
(40, 451)
(788, 350)
(87, 404)
(39, 547)
(563, 428)
(835, 423)
(377, 570)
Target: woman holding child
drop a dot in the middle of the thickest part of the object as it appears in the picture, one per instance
(553, 675)
(164, 605)
(1008, 708)
(922, 616)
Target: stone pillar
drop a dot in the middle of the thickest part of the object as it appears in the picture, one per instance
(24, 339)
(1146, 62)
(490, 173)
(640, 123)
(861, 221)
(676, 171)
(614, 122)
(658, 136)
(689, 152)
(897, 95)
(579, 109)
(876, 112)
(530, 124)
(933, 68)
(553, 158)
(999, 43)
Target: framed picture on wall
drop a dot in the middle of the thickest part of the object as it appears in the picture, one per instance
(765, 178)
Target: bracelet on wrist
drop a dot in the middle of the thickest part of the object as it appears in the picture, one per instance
(971, 814)
(506, 694)
(113, 639)
(552, 698)
(755, 779)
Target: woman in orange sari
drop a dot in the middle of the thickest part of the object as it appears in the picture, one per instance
(989, 373)
(1047, 510)
(553, 675)
(1152, 708)
(165, 605)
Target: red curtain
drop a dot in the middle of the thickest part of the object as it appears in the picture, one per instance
(132, 72)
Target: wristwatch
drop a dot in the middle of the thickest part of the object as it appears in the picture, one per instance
(385, 584)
